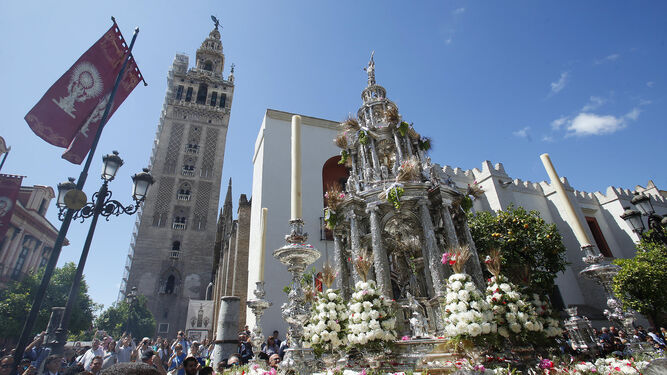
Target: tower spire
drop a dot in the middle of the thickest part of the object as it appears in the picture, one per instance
(370, 69)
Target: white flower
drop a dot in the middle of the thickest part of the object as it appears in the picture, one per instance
(502, 331)
(515, 327)
(315, 339)
(456, 285)
(505, 287)
(332, 296)
(464, 295)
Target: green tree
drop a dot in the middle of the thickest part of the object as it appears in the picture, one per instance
(640, 282)
(16, 300)
(133, 317)
(532, 250)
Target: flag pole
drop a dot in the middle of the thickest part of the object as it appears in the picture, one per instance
(57, 246)
(5, 157)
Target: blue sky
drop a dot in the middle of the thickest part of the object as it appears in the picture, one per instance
(503, 81)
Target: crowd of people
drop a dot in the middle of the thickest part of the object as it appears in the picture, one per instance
(180, 356)
(614, 341)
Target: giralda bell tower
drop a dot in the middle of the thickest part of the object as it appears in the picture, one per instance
(171, 252)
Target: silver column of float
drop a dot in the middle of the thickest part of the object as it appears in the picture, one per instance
(258, 305)
(296, 255)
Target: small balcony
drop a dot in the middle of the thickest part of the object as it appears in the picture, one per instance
(187, 172)
(179, 226)
(192, 149)
(174, 254)
(183, 197)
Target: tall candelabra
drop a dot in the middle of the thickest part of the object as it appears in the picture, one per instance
(258, 305)
(603, 273)
(296, 255)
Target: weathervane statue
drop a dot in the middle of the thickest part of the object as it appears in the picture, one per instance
(215, 21)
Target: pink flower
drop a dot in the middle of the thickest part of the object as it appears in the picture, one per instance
(445, 258)
(405, 338)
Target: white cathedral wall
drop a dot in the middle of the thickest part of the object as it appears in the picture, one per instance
(271, 189)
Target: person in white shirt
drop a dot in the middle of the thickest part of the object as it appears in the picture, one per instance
(110, 357)
(124, 348)
(96, 351)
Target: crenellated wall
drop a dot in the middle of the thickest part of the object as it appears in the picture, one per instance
(501, 190)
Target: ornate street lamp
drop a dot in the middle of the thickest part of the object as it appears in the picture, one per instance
(656, 223)
(141, 182)
(111, 164)
(63, 189)
(101, 204)
(634, 220)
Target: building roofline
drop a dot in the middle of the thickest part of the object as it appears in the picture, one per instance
(306, 120)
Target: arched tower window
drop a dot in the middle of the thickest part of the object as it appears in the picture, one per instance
(176, 245)
(208, 65)
(188, 94)
(201, 93)
(170, 285)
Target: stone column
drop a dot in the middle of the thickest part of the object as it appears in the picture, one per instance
(432, 258)
(343, 280)
(354, 239)
(408, 142)
(14, 244)
(399, 149)
(450, 229)
(376, 160)
(473, 267)
(355, 171)
(364, 163)
(226, 339)
(380, 260)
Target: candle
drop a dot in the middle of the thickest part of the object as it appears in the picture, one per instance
(262, 244)
(296, 168)
(577, 228)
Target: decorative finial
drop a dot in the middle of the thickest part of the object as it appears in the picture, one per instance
(233, 65)
(370, 69)
(216, 22)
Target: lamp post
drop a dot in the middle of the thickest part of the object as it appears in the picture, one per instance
(656, 223)
(130, 298)
(69, 198)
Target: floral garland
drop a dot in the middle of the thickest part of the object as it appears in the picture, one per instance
(325, 331)
(467, 314)
(551, 325)
(371, 322)
(515, 317)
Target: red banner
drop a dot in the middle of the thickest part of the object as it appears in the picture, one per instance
(83, 139)
(9, 191)
(67, 105)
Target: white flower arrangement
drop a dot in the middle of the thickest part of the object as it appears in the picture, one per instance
(467, 314)
(551, 325)
(370, 318)
(325, 331)
(512, 313)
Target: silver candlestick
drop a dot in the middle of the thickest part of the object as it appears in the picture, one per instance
(296, 255)
(258, 305)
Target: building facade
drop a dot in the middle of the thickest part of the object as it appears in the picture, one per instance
(231, 255)
(27, 245)
(171, 255)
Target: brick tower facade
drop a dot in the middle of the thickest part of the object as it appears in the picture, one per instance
(171, 254)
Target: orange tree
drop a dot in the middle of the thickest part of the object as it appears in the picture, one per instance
(640, 282)
(532, 251)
